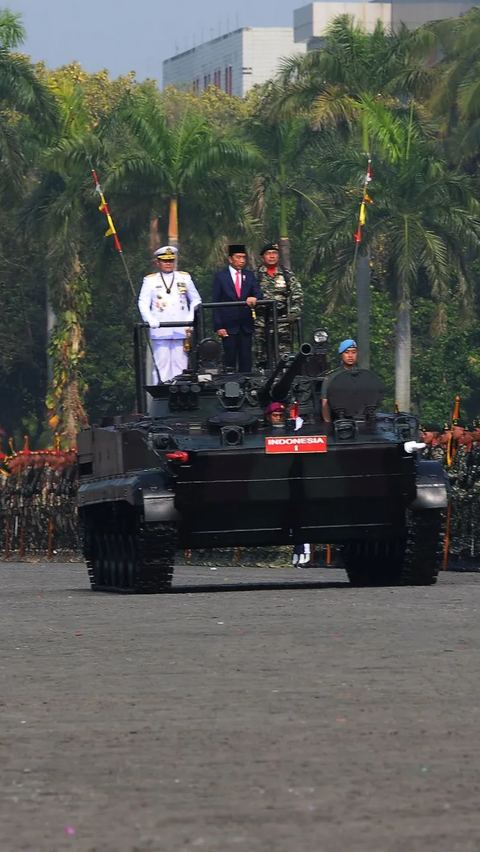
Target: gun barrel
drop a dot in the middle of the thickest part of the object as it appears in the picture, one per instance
(279, 389)
(281, 364)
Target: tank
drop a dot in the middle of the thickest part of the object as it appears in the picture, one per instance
(204, 468)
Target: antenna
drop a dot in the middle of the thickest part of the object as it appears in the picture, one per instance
(236, 21)
(228, 24)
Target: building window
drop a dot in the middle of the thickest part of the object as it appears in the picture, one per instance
(228, 80)
(196, 86)
(217, 79)
(207, 80)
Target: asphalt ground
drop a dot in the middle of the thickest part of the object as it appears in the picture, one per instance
(251, 709)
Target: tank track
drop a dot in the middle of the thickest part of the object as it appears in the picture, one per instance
(130, 558)
(373, 563)
(423, 547)
(411, 561)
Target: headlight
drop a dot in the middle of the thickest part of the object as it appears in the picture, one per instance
(320, 336)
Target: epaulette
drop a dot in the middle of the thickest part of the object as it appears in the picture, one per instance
(151, 275)
(181, 272)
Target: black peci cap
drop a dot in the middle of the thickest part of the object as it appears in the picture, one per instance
(236, 249)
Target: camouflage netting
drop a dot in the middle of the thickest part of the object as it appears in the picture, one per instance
(38, 517)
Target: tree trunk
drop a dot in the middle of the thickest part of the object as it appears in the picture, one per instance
(173, 222)
(363, 309)
(403, 355)
(285, 251)
(154, 236)
(66, 391)
(51, 322)
(283, 223)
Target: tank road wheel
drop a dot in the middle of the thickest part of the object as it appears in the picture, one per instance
(424, 547)
(373, 563)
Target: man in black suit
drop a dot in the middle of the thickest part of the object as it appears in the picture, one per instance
(235, 325)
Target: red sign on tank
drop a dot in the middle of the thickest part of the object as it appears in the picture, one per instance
(289, 444)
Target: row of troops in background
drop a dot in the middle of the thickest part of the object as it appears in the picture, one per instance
(457, 447)
(170, 296)
(38, 512)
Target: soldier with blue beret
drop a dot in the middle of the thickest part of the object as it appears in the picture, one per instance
(348, 355)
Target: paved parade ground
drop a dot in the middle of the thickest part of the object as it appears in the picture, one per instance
(244, 711)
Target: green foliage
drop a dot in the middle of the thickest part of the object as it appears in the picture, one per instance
(288, 161)
(12, 31)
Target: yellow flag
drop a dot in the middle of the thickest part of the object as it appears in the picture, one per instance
(361, 219)
(103, 205)
(111, 229)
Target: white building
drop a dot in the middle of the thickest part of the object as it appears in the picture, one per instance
(310, 22)
(233, 62)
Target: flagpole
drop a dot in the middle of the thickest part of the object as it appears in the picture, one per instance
(113, 232)
(362, 263)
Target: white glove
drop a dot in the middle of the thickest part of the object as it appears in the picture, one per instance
(413, 446)
(155, 324)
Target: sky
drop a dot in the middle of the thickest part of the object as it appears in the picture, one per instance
(135, 35)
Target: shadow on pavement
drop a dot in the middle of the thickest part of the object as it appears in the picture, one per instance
(202, 588)
(253, 587)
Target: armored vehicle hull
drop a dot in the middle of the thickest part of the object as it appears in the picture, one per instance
(208, 467)
(383, 505)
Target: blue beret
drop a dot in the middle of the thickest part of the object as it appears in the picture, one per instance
(346, 344)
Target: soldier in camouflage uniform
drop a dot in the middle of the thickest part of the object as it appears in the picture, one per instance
(473, 484)
(438, 450)
(276, 282)
(458, 474)
(430, 433)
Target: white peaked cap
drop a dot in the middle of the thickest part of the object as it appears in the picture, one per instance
(165, 250)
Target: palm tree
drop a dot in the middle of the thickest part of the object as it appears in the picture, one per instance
(163, 161)
(340, 85)
(282, 143)
(27, 108)
(424, 223)
(57, 210)
(456, 92)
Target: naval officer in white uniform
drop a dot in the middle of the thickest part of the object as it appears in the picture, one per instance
(168, 296)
